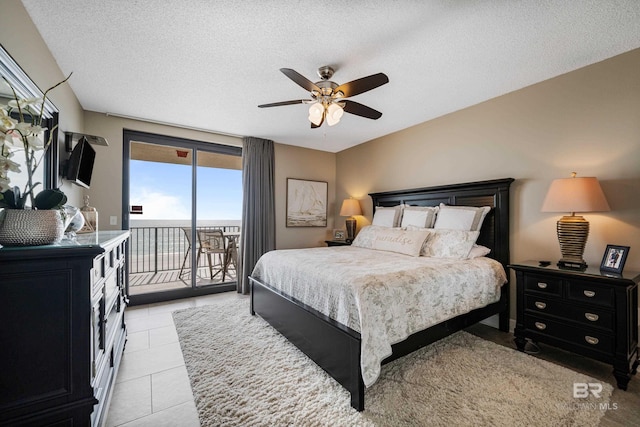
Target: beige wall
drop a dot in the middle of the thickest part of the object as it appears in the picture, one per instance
(22, 41)
(106, 184)
(586, 121)
(303, 163)
(290, 162)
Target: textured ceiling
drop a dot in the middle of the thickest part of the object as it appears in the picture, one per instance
(208, 64)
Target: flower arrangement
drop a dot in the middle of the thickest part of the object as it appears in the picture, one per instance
(21, 129)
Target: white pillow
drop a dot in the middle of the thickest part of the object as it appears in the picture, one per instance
(381, 238)
(387, 216)
(461, 217)
(407, 242)
(478, 251)
(419, 216)
(445, 243)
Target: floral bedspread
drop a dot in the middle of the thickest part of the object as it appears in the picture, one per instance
(383, 295)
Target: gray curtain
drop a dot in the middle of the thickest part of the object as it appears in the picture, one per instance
(258, 233)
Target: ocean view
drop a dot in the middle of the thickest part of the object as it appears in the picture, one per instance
(159, 245)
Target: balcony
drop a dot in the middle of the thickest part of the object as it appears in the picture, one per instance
(160, 256)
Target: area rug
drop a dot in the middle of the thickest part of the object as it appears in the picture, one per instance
(244, 373)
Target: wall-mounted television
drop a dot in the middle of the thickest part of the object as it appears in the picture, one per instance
(80, 165)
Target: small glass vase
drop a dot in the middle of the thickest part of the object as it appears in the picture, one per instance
(28, 227)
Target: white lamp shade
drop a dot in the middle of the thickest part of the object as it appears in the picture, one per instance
(350, 207)
(316, 111)
(334, 113)
(582, 194)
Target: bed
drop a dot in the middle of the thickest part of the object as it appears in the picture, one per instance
(335, 346)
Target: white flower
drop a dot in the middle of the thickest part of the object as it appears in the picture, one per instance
(7, 165)
(35, 141)
(6, 122)
(23, 131)
(31, 104)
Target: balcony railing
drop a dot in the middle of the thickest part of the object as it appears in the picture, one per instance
(156, 249)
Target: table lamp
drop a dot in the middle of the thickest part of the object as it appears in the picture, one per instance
(573, 195)
(350, 207)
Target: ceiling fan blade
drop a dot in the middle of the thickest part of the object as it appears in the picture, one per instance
(358, 109)
(279, 104)
(300, 80)
(362, 85)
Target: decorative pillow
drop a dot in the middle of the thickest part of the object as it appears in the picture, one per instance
(419, 216)
(407, 242)
(461, 217)
(478, 251)
(387, 216)
(446, 243)
(391, 239)
(365, 236)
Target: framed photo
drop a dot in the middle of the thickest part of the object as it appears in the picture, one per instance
(614, 258)
(339, 234)
(306, 203)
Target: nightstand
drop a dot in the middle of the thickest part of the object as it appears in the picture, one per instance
(337, 243)
(583, 311)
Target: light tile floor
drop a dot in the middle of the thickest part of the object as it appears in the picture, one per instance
(152, 387)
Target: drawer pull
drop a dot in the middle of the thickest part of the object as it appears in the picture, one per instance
(589, 294)
(541, 326)
(591, 340)
(592, 317)
(542, 285)
(541, 305)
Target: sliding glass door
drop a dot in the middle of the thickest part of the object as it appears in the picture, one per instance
(184, 202)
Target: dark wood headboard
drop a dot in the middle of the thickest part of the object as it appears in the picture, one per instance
(494, 233)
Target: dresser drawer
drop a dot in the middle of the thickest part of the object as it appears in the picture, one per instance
(587, 338)
(542, 284)
(592, 316)
(591, 293)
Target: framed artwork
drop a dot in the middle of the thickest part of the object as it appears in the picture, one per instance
(614, 258)
(306, 203)
(339, 234)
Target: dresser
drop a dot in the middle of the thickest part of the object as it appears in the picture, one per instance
(62, 329)
(586, 312)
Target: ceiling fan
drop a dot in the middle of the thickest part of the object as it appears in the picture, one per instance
(328, 99)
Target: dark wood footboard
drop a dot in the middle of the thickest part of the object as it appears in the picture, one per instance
(335, 347)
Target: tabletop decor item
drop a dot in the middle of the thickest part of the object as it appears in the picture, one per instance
(614, 258)
(574, 195)
(41, 222)
(350, 208)
(90, 215)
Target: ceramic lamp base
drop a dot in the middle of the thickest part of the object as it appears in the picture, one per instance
(350, 224)
(573, 232)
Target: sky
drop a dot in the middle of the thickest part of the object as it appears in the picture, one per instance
(164, 191)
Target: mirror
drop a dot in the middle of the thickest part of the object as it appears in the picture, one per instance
(47, 173)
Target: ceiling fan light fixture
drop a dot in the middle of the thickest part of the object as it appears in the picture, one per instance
(328, 99)
(334, 113)
(316, 111)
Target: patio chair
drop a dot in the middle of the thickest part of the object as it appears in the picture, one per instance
(213, 245)
(232, 253)
(187, 233)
